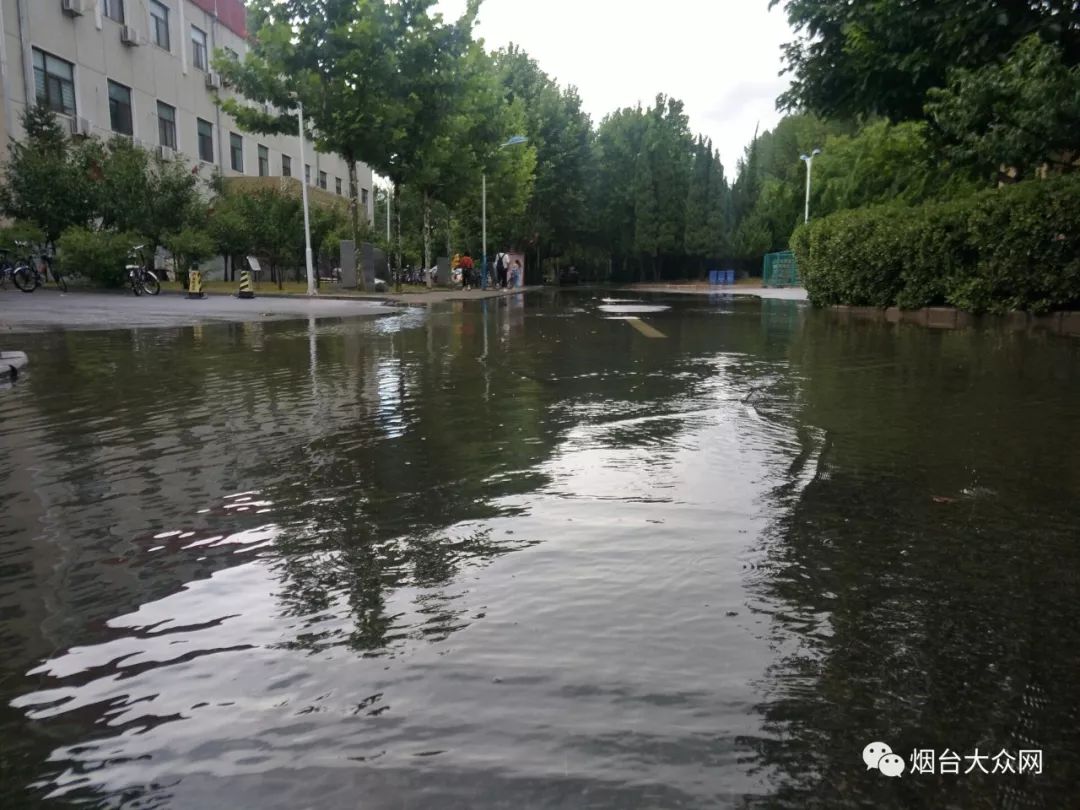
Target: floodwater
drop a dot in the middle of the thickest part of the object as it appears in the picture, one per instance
(527, 554)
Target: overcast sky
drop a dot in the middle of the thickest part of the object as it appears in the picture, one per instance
(721, 57)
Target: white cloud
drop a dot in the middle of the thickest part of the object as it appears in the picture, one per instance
(721, 57)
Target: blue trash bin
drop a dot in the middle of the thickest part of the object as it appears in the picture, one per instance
(729, 276)
(714, 276)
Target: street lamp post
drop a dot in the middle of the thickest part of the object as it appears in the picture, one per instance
(809, 160)
(307, 213)
(514, 141)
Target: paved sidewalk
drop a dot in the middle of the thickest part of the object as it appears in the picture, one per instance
(784, 293)
(47, 309)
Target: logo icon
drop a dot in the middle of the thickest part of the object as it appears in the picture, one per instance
(879, 756)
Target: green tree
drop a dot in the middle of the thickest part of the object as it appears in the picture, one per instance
(342, 60)
(1023, 113)
(47, 179)
(144, 194)
(882, 57)
(881, 163)
(707, 204)
(189, 247)
(558, 214)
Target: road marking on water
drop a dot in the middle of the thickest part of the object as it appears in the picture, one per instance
(645, 329)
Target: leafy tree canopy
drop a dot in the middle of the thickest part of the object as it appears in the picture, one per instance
(881, 57)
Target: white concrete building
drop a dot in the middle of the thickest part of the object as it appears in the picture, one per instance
(142, 68)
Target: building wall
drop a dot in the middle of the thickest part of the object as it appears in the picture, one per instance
(92, 42)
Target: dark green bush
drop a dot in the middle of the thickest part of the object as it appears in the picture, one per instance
(1016, 247)
(100, 256)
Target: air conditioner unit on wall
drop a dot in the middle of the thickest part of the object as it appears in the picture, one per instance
(166, 153)
(213, 81)
(75, 8)
(80, 126)
(129, 35)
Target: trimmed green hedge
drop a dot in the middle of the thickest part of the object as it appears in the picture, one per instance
(1010, 248)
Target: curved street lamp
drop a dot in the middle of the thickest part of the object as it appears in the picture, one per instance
(809, 161)
(513, 141)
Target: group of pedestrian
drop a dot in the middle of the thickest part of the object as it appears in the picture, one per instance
(502, 272)
(508, 275)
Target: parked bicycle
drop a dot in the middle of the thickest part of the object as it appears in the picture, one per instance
(34, 271)
(139, 278)
(7, 270)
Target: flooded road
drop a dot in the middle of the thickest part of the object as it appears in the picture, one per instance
(527, 554)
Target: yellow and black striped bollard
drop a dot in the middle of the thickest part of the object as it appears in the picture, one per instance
(195, 290)
(246, 289)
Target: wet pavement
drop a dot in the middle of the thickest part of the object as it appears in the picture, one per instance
(525, 553)
(48, 309)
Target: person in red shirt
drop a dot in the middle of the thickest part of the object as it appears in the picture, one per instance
(466, 272)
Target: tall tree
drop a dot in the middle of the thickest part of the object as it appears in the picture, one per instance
(854, 58)
(561, 133)
(48, 179)
(1023, 113)
(342, 59)
(619, 140)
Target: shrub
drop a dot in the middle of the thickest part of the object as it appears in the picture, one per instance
(100, 256)
(1016, 247)
(189, 247)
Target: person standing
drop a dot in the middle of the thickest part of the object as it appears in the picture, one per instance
(503, 261)
(466, 271)
(517, 275)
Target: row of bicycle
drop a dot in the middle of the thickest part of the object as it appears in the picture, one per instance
(35, 269)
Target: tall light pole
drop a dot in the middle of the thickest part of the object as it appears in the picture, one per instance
(809, 160)
(307, 213)
(514, 141)
(389, 272)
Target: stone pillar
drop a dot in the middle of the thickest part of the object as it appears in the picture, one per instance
(348, 264)
(367, 264)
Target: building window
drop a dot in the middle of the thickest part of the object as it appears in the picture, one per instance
(198, 48)
(307, 173)
(166, 122)
(120, 109)
(363, 196)
(114, 10)
(206, 141)
(322, 180)
(236, 152)
(337, 185)
(264, 161)
(55, 82)
(286, 166)
(159, 21)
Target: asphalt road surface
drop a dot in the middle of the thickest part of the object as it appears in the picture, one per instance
(47, 310)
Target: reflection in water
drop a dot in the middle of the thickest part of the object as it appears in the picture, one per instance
(512, 552)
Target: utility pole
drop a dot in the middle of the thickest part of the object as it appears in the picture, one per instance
(809, 161)
(307, 213)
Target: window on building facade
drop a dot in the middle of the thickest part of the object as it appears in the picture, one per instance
(307, 173)
(120, 109)
(236, 151)
(159, 21)
(322, 180)
(264, 161)
(206, 141)
(54, 80)
(166, 121)
(114, 10)
(363, 196)
(286, 166)
(337, 185)
(198, 48)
